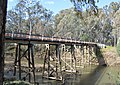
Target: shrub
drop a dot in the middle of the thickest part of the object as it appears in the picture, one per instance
(118, 48)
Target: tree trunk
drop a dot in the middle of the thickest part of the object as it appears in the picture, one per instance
(3, 7)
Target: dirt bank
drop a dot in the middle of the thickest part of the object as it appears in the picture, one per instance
(110, 56)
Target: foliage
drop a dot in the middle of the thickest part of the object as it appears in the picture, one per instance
(118, 47)
(29, 18)
(90, 5)
(90, 28)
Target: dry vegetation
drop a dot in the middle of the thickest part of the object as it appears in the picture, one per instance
(111, 56)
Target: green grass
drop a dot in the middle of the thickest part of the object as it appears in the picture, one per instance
(118, 48)
(108, 48)
(111, 76)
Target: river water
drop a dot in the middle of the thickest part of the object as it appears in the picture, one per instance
(90, 75)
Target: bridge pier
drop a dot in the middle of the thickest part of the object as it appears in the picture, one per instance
(90, 54)
(58, 63)
(28, 54)
(89, 57)
(54, 68)
(73, 57)
(82, 49)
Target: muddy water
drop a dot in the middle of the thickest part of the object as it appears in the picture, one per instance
(90, 75)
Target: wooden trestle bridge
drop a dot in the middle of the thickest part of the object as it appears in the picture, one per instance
(60, 64)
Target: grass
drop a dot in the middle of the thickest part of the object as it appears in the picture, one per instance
(111, 76)
(108, 48)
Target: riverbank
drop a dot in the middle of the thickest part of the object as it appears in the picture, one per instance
(111, 56)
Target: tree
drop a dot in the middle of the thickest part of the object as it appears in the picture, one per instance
(30, 17)
(89, 28)
(88, 4)
(3, 7)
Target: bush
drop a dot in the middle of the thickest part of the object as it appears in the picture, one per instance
(118, 48)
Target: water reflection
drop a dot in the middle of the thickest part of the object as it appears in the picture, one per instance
(90, 75)
(93, 77)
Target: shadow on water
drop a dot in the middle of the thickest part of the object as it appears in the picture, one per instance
(99, 56)
(94, 77)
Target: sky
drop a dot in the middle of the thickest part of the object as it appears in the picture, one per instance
(57, 5)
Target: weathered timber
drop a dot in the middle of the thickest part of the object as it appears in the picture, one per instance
(28, 54)
(37, 39)
(3, 10)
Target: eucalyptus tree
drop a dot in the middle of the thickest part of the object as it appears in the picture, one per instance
(66, 24)
(89, 28)
(79, 6)
(114, 6)
(113, 17)
(30, 17)
(16, 18)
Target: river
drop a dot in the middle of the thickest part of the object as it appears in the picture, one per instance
(90, 75)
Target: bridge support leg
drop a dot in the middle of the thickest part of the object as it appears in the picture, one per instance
(83, 56)
(65, 59)
(29, 55)
(33, 64)
(46, 62)
(63, 53)
(73, 57)
(86, 54)
(57, 60)
(15, 62)
(30, 59)
(54, 69)
(58, 63)
(90, 54)
(19, 61)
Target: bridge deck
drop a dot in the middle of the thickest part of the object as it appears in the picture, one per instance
(37, 39)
